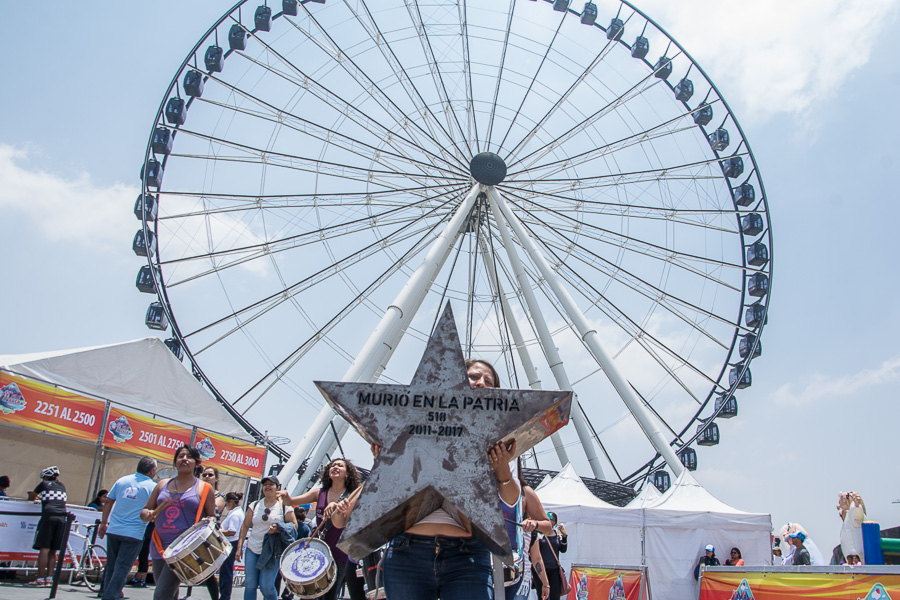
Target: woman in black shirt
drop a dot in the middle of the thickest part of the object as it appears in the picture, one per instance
(551, 546)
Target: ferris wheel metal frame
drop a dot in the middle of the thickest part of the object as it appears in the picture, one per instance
(492, 203)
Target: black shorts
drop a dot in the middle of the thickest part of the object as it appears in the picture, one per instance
(50, 532)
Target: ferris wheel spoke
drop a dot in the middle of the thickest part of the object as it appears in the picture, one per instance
(341, 173)
(272, 247)
(471, 122)
(667, 301)
(402, 146)
(246, 315)
(668, 257)
(636, 331)
(703, 217)
(646, 136)
(291, 359)
(429, 119)
(623, 276)
(303, 163)
(348, 63)
(330, 137)
(415, 15)
(644, 85)
(561, 100)
(623, 208)
(657, 174)
(347, 108)
(509, 20)
(643, 247)
(247, 254)
(254, 202)
(512, 121)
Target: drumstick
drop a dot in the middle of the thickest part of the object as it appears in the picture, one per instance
(355, 494)
(161, 507)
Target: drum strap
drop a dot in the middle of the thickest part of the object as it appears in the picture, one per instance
(205, 488)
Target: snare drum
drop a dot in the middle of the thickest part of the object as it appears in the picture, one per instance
(197, 553)
(308, 568)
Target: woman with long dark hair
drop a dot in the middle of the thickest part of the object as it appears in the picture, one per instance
(339, 479)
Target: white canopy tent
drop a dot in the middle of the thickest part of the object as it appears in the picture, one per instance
(140, 375)
(648, 495)
(667, 534)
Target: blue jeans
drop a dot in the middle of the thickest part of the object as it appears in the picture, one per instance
(121, 552)
(426, 568)
(226, 574)
(255, 578)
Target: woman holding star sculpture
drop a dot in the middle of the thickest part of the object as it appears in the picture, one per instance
(438, 557)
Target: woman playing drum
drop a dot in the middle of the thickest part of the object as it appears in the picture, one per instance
(261, 519)
(339, 479)
(175, 505)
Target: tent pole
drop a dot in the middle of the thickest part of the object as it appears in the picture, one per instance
(589, 336)
(382, 342)
(92, 494)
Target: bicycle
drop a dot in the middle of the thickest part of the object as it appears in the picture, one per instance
(88, 566)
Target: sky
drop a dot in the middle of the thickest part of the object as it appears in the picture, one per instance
(814, 85)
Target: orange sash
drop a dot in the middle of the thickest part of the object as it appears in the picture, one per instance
(203, 494)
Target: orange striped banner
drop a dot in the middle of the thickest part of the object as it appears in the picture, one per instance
(143, 435)
(230, 455)
(40, 406)
(789, 585)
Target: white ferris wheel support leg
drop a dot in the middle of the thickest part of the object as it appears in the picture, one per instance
(376, 353)
(550, 350)
(589, 336)
(524, 356)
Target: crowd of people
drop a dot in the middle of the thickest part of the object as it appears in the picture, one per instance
(436, 557)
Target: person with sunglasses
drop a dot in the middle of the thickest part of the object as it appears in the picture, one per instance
(211, 476)
(262, 518)
(736, 560)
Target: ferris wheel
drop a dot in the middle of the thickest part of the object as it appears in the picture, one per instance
(322, 178)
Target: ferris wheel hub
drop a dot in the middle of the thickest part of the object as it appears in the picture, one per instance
(487, 168)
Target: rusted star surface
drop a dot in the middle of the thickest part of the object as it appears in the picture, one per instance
(434, 435)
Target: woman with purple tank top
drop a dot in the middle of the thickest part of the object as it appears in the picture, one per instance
(184, 500)
(339, 479)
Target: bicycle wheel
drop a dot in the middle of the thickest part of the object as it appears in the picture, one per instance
(91, 567)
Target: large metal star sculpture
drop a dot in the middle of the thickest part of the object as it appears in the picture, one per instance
(434, 436)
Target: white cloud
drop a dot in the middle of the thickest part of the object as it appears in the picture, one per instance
(771, 56)
(821, 387)
(66, 209)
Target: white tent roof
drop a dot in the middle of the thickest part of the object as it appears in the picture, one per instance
(568, 489)
(649, 494)
(688, 496)
(141, 374)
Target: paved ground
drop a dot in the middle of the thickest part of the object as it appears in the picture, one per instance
(20, 591)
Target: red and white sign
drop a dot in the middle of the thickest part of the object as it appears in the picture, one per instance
(39, 406)
(142, 435)
(230, 455)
